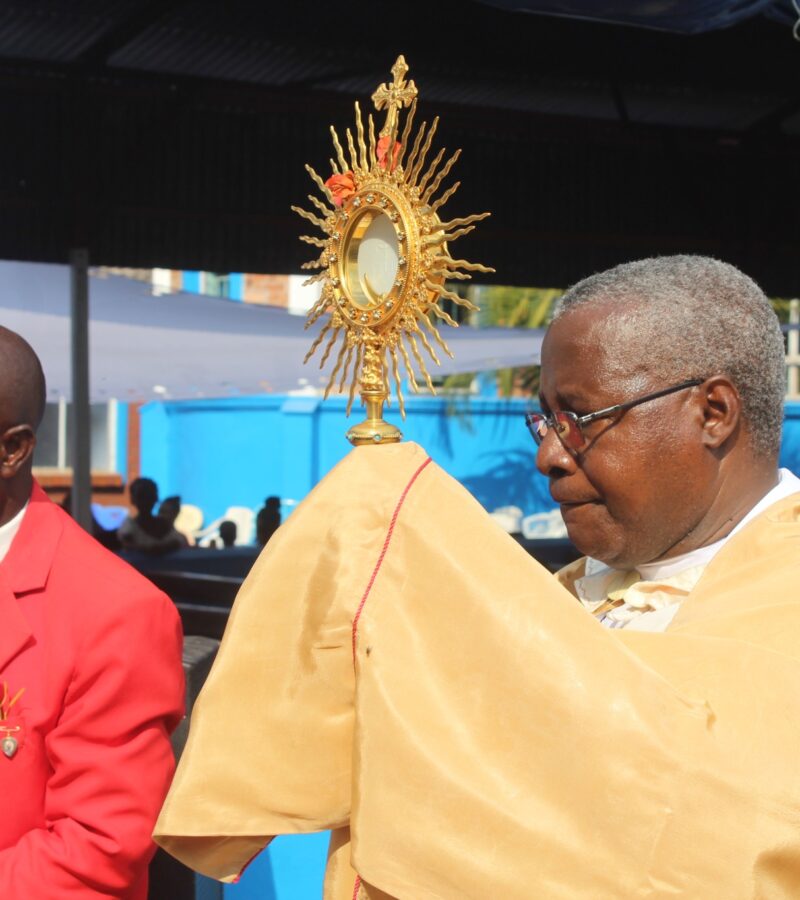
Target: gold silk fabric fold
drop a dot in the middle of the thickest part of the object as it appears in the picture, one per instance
(398, 665)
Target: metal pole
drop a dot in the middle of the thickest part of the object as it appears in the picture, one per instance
(81, 413)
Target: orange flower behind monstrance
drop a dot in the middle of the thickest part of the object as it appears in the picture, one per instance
(382, 151)
(341, 187)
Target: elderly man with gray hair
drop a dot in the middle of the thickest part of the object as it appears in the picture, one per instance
(662, 401)
(468, 726)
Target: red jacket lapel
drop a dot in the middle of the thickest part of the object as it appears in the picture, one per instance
(25, 569)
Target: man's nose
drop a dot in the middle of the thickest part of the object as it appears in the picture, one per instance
(553, 458)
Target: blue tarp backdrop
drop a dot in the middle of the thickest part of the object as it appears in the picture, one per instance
(237, 451)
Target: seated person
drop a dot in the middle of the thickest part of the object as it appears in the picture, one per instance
(169, 510)
(399, 670)
(227, 533)
(144, 531)
(268, 519)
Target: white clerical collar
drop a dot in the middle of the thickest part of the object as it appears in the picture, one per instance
(788, 484)
(9, 531)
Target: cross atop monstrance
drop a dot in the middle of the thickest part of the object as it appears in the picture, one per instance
(393, 97)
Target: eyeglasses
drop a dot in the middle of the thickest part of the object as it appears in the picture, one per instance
(569, 425)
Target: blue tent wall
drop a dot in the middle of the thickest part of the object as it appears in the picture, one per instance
(237, 451)
(790, 447)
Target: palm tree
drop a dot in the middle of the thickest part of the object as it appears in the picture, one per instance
(506, 307)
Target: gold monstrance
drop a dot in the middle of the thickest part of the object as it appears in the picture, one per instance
(385, 257)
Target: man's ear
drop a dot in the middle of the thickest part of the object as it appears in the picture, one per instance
(722, 410)
(16, 449)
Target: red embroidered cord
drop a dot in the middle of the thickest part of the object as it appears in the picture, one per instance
(384, 549)
(241, 871)
(383, 552)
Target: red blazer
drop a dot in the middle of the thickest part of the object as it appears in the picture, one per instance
(97, 649)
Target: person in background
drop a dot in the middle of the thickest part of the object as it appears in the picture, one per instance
(144, 531)
(91, 683)
(268, 520)
(227, 533)
(169, 510)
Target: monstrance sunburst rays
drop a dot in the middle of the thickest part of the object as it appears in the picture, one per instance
(384, 186)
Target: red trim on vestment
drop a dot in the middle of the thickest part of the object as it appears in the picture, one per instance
(383, 552)
(356, 887)
(241, 871)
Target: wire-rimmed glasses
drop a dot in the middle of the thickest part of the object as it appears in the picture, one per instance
(569, 425)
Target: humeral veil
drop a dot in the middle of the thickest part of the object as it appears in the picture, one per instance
(398, 669)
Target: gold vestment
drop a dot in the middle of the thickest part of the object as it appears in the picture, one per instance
(398, 665)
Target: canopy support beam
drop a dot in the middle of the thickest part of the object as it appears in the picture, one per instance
(81, 411)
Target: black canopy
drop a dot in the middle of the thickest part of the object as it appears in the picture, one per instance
(174, 133)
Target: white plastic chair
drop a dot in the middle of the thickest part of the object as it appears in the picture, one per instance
(245, 520)
(544, 525)
(189, 520)
(508, 518)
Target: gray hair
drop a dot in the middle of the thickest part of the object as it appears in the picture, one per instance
(699, 317)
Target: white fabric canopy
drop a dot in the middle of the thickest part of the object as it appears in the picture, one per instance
(145, 347)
